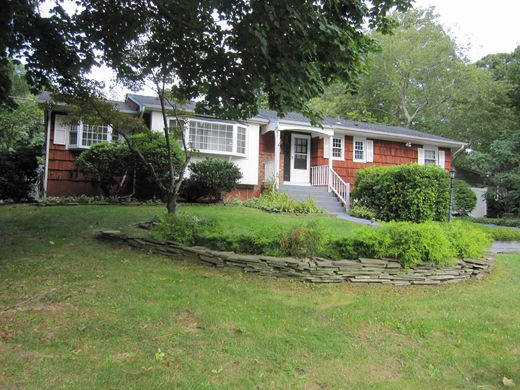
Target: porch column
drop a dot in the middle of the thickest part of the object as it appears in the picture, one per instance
(276, 157)
(329, 182)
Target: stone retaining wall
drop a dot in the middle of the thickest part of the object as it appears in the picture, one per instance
(384, 271)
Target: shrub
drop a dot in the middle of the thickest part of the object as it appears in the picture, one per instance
(404, 192)
(152, 145)
(412, 244)
(105, 163)
(511, 222)
(302, 241)
(501, 233)
(464, 199)
(468, 239)
(184, 228)
(18, 170)
(210, 178)
(360, 211)
(280, 202)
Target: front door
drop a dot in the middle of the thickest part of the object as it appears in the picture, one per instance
(300, 158)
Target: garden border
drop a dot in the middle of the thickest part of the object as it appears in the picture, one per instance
(373, 271)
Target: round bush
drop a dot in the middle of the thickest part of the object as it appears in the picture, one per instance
(409, 192)
(464, 199)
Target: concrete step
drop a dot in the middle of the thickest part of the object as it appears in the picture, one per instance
(320, 195)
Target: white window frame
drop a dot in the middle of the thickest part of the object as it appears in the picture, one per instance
(234, 149)
(364, 141)
(342, 148)
(431, 148)
(79, 135)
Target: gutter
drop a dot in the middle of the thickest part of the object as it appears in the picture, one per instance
(47, 146)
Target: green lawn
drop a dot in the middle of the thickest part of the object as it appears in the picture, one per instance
(126, 319)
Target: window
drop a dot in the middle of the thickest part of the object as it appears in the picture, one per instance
(94, 134)
(430, 157)
(241, 140)
(82, 135)
(217, 137)
(337, 148)
(359, 149)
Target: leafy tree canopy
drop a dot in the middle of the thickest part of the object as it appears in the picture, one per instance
(419, 79)
(223, 51)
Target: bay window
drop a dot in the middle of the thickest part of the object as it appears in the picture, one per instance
(217, 137)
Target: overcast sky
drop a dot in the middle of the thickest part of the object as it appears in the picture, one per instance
(481, 26)
(487, 26)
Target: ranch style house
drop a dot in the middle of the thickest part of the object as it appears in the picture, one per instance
(286, 151)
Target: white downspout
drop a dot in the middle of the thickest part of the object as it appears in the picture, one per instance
(276, 157)
(47, 146)
(329, 181)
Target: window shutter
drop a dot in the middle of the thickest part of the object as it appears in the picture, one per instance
(326, 147)
(370, 151)
(442, 159)
(60, 130)
(420, 154)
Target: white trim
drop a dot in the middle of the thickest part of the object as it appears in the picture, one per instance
(364, 141)
(431, 148)
(342, 155)
(234, 140)
(307, 173)
(47, 147)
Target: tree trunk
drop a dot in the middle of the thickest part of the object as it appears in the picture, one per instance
(171, 203)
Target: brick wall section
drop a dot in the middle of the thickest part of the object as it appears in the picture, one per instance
(63, 176)
(385, 153)
(265, 153)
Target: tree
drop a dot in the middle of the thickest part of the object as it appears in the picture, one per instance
(419, 79)
(220, 52)
(505, 66)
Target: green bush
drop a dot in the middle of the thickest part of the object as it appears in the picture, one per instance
(304, 241)
(464, 199)
(280, 202)
(18, 170)
(468, 239)
(501, 233)
(152, 146)
(184, 228)
(412, 244)
(360, 211)
(105, 163)
(209, 178)
(409, 192)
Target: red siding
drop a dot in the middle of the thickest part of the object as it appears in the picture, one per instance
(385, 153)
(63, 176)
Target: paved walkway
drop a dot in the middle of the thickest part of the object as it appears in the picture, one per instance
(357, 220)
(505, 247)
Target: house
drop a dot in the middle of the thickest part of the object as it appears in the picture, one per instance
(267, 148)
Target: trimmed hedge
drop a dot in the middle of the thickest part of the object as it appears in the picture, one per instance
(409, 192)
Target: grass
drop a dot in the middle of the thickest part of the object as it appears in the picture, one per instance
(126, 319)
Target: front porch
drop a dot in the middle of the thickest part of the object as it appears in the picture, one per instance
(297, 157)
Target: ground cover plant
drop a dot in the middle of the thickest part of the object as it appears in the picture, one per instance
(511, 222)
(409, 243)
(113, 317)
(280, 202)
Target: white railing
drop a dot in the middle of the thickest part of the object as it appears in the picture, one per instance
(319, 175)
(340, 188)
(269, 171)
(322, 176)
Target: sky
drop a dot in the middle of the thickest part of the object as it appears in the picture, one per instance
(488, 27)
(481, 27)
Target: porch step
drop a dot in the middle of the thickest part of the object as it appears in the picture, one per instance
(320, 195)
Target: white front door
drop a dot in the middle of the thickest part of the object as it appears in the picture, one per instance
(300, 158)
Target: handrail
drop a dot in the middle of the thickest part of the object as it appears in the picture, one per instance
(319, 175)
(340, 188)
